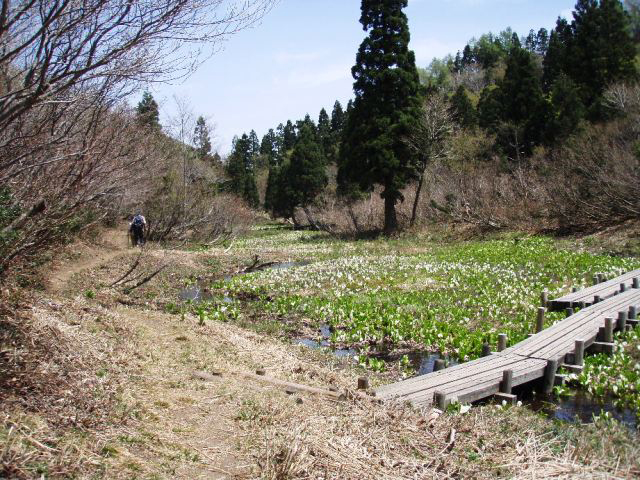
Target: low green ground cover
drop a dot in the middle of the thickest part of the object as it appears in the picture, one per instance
(617, 375)
(426, 295)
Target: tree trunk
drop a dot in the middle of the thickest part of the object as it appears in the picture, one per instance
(354, 218)
(312, 222)
(296, 225)
(390, 218)
(416, 200)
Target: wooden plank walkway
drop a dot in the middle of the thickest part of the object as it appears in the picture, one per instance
(528, 360)
(604, 290)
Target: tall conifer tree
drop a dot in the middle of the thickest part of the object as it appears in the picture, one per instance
(387, 103)
(337, 118)
(147, 111)
(324, 131)
(202, 139)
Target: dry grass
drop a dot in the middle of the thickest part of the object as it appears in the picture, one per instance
(93, 389)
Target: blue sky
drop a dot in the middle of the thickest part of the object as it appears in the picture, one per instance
(298, 59)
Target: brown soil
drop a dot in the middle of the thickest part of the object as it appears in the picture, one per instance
(128, 372)
(86, 256)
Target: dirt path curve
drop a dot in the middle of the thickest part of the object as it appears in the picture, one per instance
(188, 429)
(114, 242)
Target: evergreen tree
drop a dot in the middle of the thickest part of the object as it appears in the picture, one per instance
(250, 190)
(602, 50)
(568, 109)
(269, 151)
(595, 50)
(542, 42)
(457, 63)
(555, 59)
(467, 57)
(269, 146)
(463, 110)
(387, 103)
(201, 139)
(280, 139)
(289, 136)
(240, 169)
(524, 109)
(147, 111)
(520, 89)
(530, 42)
(490, 108)
(324, 131)
(254, 144)
(306, 173)
(306, 121)
(270, 192)
(337, 118)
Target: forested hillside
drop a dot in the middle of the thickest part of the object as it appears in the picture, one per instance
(523, 131)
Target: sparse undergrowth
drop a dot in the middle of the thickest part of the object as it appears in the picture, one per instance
(125, 406)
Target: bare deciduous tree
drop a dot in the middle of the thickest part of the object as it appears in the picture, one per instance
(48, 47)
(70, 149)
(429, 138)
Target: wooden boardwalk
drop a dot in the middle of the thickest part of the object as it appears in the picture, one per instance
(600, 290)
(537, 357)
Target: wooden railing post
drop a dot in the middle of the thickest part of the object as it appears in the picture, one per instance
(540, 319)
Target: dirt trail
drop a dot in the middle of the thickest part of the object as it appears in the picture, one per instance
(114, 242)
(188, 428)
(185, 426)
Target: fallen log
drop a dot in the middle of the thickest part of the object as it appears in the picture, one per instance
(274, 381)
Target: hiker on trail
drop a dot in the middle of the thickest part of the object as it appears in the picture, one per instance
(136, 229)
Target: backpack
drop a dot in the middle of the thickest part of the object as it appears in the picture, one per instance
(137, 222)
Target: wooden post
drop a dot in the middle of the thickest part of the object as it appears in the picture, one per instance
(440, 400)
(633, 313)
(608, 330)
(636, 282)
(569, 312)
(596, 279)
(550, 376)
(623, 288)
(544, 298)
(574, 289)
(502, 344)
(507, 381)
(578, 355)
(486, 350)
(622, 321)
(438, 365)
(596, 299)
(540, 319)
(363, 383)
(600, 278)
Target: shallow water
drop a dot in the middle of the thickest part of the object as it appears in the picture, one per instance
(324, 343)
(197, 294)
(581, 408)
(423, 362)
(285, 265)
